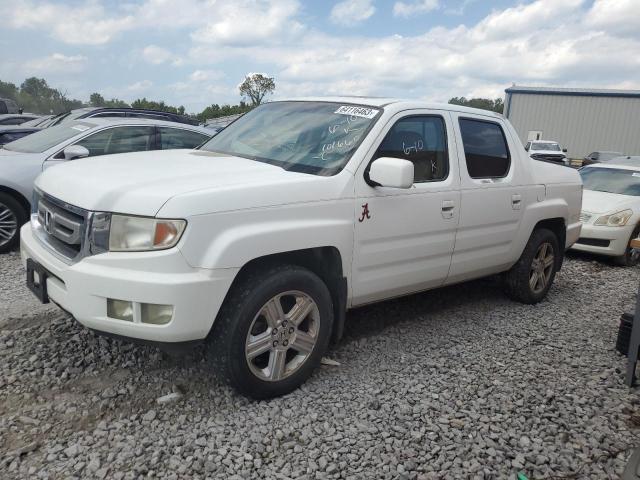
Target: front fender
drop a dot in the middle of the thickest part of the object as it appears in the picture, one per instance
(232, 239)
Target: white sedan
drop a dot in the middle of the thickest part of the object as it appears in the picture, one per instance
(610, 211)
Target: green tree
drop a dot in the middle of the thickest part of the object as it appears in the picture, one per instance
(8, 90)
(153, 105)
(482, 103)
(97, 100)
(256, 86)
(215, 111)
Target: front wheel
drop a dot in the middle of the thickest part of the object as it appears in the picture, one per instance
(631, 256)
(272, 331)
(12, 217)
(530, 278)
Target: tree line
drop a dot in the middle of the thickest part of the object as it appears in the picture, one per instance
(36, 96)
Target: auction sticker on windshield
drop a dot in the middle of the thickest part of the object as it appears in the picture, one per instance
(364, 112)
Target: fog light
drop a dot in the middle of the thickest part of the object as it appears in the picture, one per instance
(156, 314)
(120, 309)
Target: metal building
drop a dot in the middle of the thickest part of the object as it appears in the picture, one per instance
(581, 120)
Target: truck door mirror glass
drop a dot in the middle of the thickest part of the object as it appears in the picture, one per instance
(75, 151)
(392, 172)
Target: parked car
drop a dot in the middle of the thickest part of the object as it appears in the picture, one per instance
(23, 160)
(547, 151)
(16, 119)
(8, 106)
(10, 133)
(610, 211)
(597, 157)
(259, 241)
(102, 112)
(632, 160)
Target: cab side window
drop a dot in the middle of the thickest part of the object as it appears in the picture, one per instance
(485, 149)
(422, 140)
(171, 138)
(119, 140)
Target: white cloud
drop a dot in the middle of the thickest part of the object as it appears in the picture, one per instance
(619, 16)
(140, 86)
(352, 12)
(156, 55)
(55, 63)
(416, 7)
(84, 24)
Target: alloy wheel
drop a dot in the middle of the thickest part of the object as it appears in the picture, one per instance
(8, 224)
(541, 268)
(282, 335)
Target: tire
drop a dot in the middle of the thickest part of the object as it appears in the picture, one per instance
(630, 258)
(253, 342)
(520, 283)
(12, 217)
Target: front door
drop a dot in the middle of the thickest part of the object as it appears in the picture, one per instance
(404, 237)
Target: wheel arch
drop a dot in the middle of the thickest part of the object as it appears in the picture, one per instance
(326, 262)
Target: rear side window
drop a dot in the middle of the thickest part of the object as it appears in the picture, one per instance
(485, 149)
(171, 138)
(421, 140)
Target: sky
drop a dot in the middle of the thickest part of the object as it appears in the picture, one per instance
(196, 52)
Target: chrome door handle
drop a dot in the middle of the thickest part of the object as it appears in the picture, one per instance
(447, 208)
(516, 200)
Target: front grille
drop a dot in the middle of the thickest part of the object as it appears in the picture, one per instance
(585, 217)
(60, 226)
(594, 242)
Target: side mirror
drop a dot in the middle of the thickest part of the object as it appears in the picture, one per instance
(564, 150)
(75, 151)
(526, 149)
(392, 172)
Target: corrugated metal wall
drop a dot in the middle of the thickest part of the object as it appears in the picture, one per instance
(581, 124)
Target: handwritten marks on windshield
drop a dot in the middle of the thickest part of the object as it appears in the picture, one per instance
(417, 146)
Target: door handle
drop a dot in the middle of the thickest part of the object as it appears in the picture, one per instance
(516, 200)
(447, 208)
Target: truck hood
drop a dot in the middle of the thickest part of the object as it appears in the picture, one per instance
(604, 202)
(142, 183)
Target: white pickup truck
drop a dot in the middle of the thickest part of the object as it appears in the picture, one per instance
(260, 241)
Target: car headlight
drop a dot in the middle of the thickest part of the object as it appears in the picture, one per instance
(143, 233)
(618, 219)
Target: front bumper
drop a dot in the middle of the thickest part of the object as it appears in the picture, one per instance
(611, 241)
(162, 277)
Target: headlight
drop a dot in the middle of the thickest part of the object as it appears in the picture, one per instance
(143, 233)
(618, 219)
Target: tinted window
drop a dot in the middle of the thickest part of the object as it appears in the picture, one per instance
(11, 136)
(171, 138)
(109, 115)
(13, 121)
(119, 140)
(485, 149)
(545, 146)
(421, 140)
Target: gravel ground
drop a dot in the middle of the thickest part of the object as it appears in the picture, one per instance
(455, 383)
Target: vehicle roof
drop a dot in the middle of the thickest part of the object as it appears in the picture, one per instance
(616, 165)
(543, 141)
(398, 103)
(104, 121)
(13, 115)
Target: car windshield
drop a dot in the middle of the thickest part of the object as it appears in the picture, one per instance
(545, 146)
(46, 138)
(611, 180)
(309, 137)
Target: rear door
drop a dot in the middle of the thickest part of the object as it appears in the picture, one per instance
(404, 237)
(492, 197)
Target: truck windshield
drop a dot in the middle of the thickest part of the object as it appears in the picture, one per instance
(611, 180)
(545, 146)
(309, 137)
(46, 138)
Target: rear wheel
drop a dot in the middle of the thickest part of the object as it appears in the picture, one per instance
(272, 331)
(631, 257)
(530, 278)
(12, 217)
